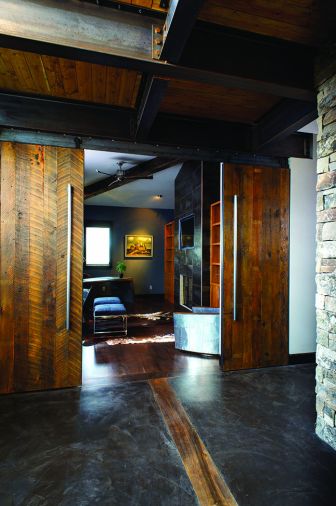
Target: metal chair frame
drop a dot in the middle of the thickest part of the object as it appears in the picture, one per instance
(98, 321)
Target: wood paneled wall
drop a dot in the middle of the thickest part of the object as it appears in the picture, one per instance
(36, 351)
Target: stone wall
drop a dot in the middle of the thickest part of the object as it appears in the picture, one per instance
(326, 257)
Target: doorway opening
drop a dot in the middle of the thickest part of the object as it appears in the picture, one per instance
(131, 236)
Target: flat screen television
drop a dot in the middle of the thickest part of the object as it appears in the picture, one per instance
(187, 232)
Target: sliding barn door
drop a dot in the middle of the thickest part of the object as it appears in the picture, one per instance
(256, 229)
(36, 349)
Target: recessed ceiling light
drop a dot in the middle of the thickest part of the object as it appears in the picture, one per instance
(158, 197)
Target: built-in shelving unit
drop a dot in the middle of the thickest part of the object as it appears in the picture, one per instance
(169, 250)
(214, 253)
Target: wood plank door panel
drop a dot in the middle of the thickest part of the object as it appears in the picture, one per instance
(36, 351)
(259, 336)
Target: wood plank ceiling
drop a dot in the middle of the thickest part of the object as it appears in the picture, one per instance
(148, 4)
(58, 77)
(202, 100)
(229, 76)
(62, 78)
(294, 20)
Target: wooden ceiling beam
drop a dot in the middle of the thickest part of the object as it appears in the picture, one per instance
(152, 96)
(180, 20)
(173, 134)
(83, 119)
(284, 119)
(108, 37)
(147, 168)
(65, 116)
(296, 145)
(181, 17)
(223, 50)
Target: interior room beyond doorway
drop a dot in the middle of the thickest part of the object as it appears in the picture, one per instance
(125, 220)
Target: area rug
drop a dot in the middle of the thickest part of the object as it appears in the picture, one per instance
(159, 316)
(168, 338)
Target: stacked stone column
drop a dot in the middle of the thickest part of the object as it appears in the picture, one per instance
(326, 262)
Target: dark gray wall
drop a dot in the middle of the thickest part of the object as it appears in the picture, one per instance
(196, 188)
(188, 200)
(130, 220)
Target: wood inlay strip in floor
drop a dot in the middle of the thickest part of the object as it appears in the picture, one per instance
(205, 478)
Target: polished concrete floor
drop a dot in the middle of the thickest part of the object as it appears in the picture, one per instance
(109, 444)
(104, 446)
(258, 426)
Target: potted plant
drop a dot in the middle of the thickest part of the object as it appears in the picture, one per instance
(121, 268)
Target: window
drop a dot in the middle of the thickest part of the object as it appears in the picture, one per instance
(98, 245)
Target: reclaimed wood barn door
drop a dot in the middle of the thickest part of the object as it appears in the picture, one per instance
(256, 334)
(36, 350)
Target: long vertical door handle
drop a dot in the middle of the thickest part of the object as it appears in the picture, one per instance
(68, 278)
(235, 239)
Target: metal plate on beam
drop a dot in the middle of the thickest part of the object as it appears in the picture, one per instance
(72, 22)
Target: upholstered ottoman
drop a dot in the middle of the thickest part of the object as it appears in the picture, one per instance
(110, 318)
(106, 300)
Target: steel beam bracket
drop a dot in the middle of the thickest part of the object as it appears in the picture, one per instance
(157, 41)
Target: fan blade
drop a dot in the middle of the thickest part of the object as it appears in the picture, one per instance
(138, 177)
(112, 182)
(105, 173)
(125, 178)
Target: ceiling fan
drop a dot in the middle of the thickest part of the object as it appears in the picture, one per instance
(121, 174)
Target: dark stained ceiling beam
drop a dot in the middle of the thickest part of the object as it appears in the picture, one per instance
(173, 134)
(182, 131)
(180, 20)
(105, 36)
(297, 145)
(153, 93)
(222, 50)
(82, 119)
(134, 8)
(284, 119)
(147, 168)
(181, 17)
(64, 116)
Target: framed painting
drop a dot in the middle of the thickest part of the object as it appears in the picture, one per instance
(138, 246)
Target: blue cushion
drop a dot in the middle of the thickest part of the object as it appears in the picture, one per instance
(109, 309)
(106, 300)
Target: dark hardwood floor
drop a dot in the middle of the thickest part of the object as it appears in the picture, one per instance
(104, 364)
(107, 364)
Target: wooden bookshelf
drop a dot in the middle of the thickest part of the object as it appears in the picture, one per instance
(214, 253)
(169, 253)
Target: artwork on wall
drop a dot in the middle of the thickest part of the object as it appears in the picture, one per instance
(138, 246)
